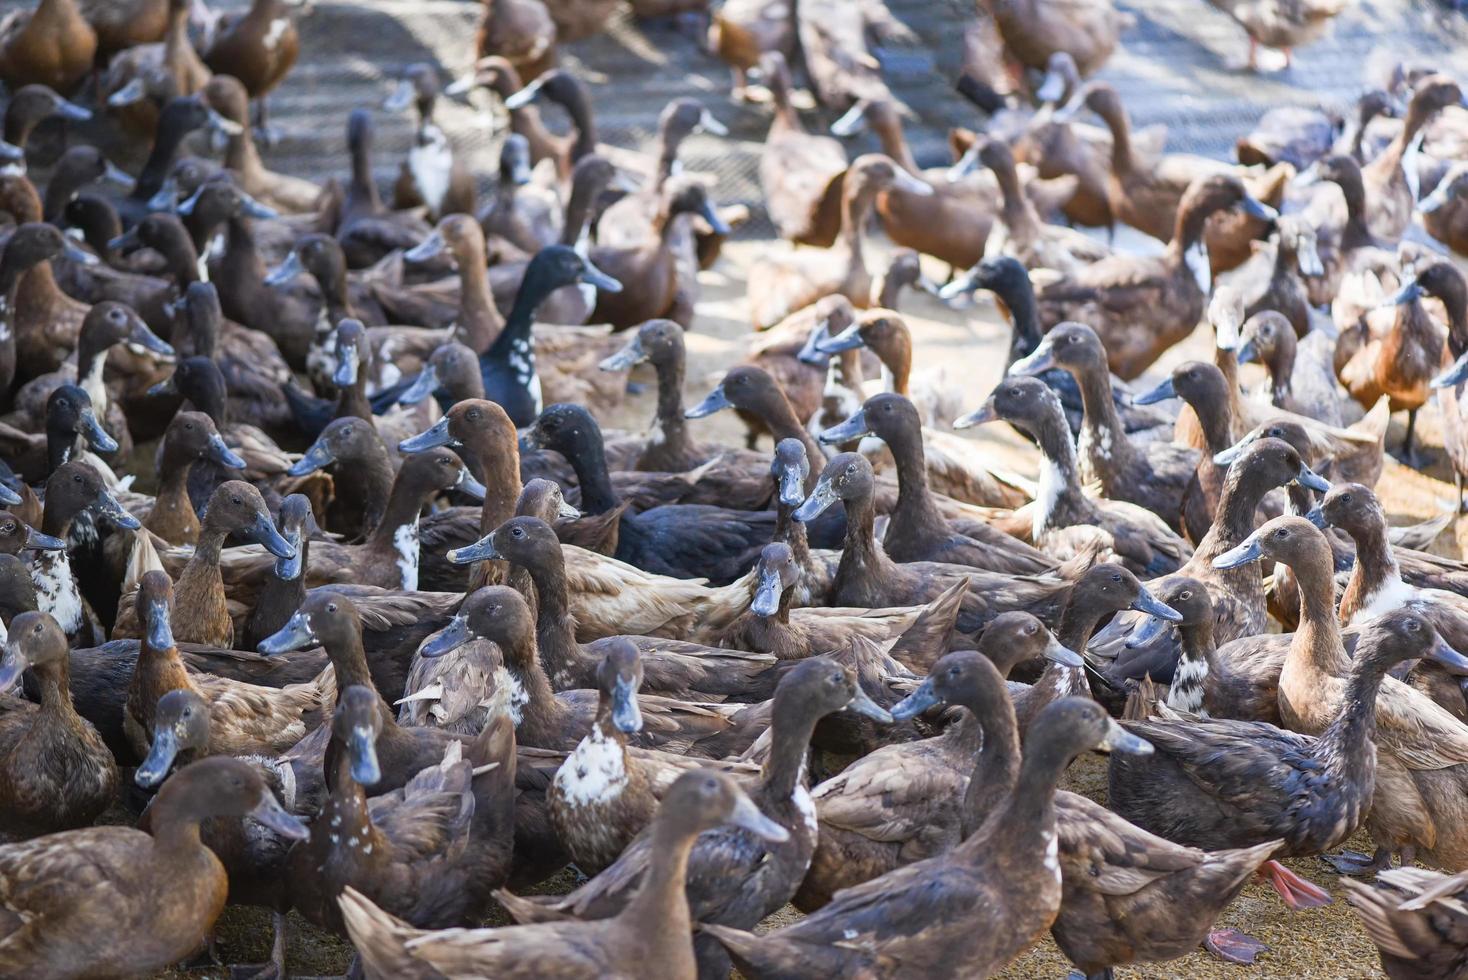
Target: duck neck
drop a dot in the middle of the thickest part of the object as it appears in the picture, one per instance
(779, 417)
(660, 907)
(1059, 500)
(1237, 503)
(576, 106)
(352, 401)
(1107, 447)
(1026, 820)
(555, 627)
(894, 142)
(1376, 569)
(671, 426)
(915, 513)
(1018, 214)
(590, 463)
(1024, 320)
(1318, 638)
(861, 555)
(373, 479)
(515, 335)
(346, 816)
(1281, 365)
(157, 672)
(1077, 624)
(791, 532)
(349, 661)
(543, 717)
(997, 768)
(173, 511)
(1122, 160)
(791, 727)
(55, 684)
(1346, 747)
(1356, 233)
(203, 567)
(399, 525)
(1195, 662)
(854, 209)
(479, 320)
(150, 180)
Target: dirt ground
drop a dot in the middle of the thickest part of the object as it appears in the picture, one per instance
(1322, 944)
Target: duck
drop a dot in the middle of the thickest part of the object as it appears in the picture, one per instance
(742, 33)
(431, 177)
(1033, 32)
(285, 193)
(782, 285)
(29, 106)
(368, 230)
(520, 216)
(1109, 294)
(1418, 742)
(754, 878)
(259, 47)
(1443, 214)
(143, 76)
(1000, 868)
(522, 32)
(866, 829)
(191, 437)
(1284, 26)
(884, 332)
(245, 719)
(867, 577)
(432, 851)
(153, 297)
(56, 773)
(51, 44)
(651, 932)
(78, 167)
(71, 431)
(1442, 281)
(171, 887)
(1390, 198)
(44, 322)
(669, 668)
(1153, 475)
(498, 75)
(1295, 259)
(712, 540)
(1018, 229)
(1411, 914)
(180, 116)
(916, 529)
(1302, 382)
(1392, 351)
(1344, 239)
(559, 720)
(802, 175)
(1141, 539)
(235, 507)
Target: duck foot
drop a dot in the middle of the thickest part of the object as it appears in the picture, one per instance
(1233, 946)
(1297, 892)
(1354, 864)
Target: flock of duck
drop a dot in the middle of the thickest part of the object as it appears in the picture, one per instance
(403, 630)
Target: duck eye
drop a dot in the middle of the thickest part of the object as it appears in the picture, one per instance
(473, 415)
(1413, 626)
(851, 469)
(9, 528)
(953, 671)
(518, 532)
(235, 500)
(37, 629)
(1345, 498)
(331, 607)
(1282, 533)
(188, 426)
(76, 478)
(1030, 629)
(710, 786)
(1185, 594)
(1115, 577)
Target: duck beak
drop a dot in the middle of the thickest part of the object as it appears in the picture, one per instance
(1255, 208)
(36, 541)
(462, 85)
(10, 498)
(220, 124)
(1118, 739)
(448, 639)
(984, 413)
(714, 401)
(904, 181)
(1052, 88)
(716, 223)
(566, 512)
(1454, 375)
(967, 165)
(853, 122)
(289, 569)
(470, 486)
(347, 365)
(401, 97)
(1146, 631)
(1307, 258)
(167, 199)
(289, 268)
(12, 664)
(848, 339)
(132, 93)
(810, 352)
(223, 455)
(481, 550)
(1448, 658)
(109, 508)
(1039, 360)
(823, 496)
(1309, 478)
(626, 713)
(428, 249)
(269, 813)
(160, 758)
(423, 386)
(1247, 352)
(1161, 393)
(78, 254)
(525, 96)
(1318, 518)
(1308, 177)
(263, 532)
(127, 240)
(626, 358)
(591, 274)
(434, 436)
(1435, 201)
(1064, 655)
(1411, 290)
(115, 175)
(1242, 555)
(1151, 605)
(767, 593)
(72, 111)
(12, 158)
(294, 635)
(251, 208)
(853, 428)
(160, 629)
(792, 486)
(862, 704)
(1227, 457)
(708, 124)
(362, 750)
(917, 702)
(747, 815)
(141, 340)
(318, 457)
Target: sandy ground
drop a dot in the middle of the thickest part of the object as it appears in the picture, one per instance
(1323, 943)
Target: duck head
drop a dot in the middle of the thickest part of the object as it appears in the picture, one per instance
(326, 619)
(237, 507)
(1070, 726)
(1452, 187)
(316, 255)
(218, 200)
(888, 416)
(1187, 597)
(297, 523)
(657, 341)
(1262, 338)
(520, 540)
(703, 799)
(36, 640)
(683, 117)
(1026, 402)
(1195, 382)
(1351, 507)
(543, 499)
(418, 86)
(478, 428)
(564, 427)
(873, 173)
(457, 235)
(356, 724)
(1281, 457)
(452, 367)
(155, 609)
(348, 439)
(745, 387)
(180, 725)
(1012, 638)
(618, 677)
(684, 194)
(69, 414)
(353, 353)
(790, 466)
(834, 316)
(439, 470)
(75, 487)
(775, 573)
(1109, 587)
(515, 166)
(30, 105)
(200, 381)
(848, 476)
(108, 324)
(223, 786)
(1070, 345)
(1002, 275)
(1403, 635)
(818, 686)
(496, 613)
(17, 536)
(32, 243)
(1288, 539)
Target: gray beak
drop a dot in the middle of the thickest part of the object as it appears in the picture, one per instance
(626, 358)
(109, 508)
(362, 749)
(917, 702)
(481, 550)
(263, 532)
(1257, 209)
(1064, 655)
(294, 635)
(714, 401)
(430, 248)
(347, 366)
(626, 714)
(288, 269)
(792, 486)
(470, 486)
(431, 438)
(222, 125)
(318, 457)
(716, 223)
(167, 199)
(72, 111)
(1052, 88)
(289, 569)
(1118, 739)
(1451, 660)
(525, 96)
(823, 496)
(591, 274)
(160, 629)
(767, 593)
(747, 815)
(1148, 603)
(1040, 360)
(116, 176)
(78, 254)
(142, 340)
(160, 758)
(127, 240)
(1317, 517)
(10, 498)
(269, 813)
(12, 664)
(966, 165)
(1242, 555)
(984, 413)
(1309, 478)
(223, 455)
(853, 122)
(35, 540)
(709, 124)
(853, 428)
(862, 704)
(848, 339)
(251, 208)
(93, 433)
(423, 386)
(1161, 393)
(1454, 375)
(1411, 290)
(401, 97)
(1146, 631)
(132, 93)
(1247, 352)
(566, 512)
(448, 639)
